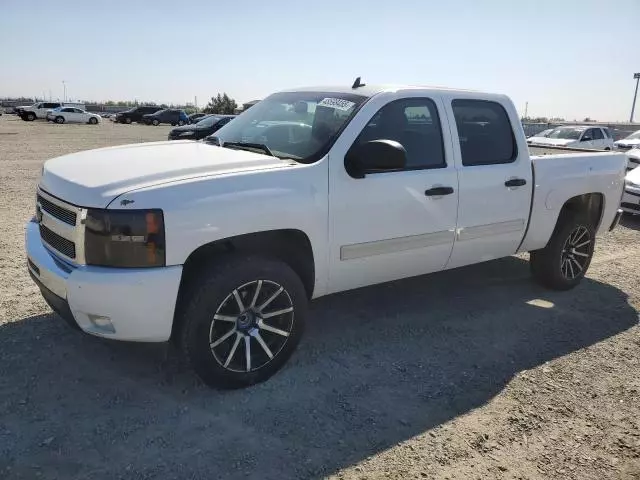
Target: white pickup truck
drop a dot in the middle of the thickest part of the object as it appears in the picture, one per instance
(220, 247)
(40, 109)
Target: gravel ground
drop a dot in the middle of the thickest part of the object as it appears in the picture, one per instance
(471, 373)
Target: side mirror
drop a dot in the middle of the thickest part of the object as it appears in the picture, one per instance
(375, 156)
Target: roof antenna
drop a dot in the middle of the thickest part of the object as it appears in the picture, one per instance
(357, 83)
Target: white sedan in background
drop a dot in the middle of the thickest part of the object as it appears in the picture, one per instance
(631, 196)
(579, 136)
(72, 115)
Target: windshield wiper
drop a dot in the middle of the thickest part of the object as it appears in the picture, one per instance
(249, 146)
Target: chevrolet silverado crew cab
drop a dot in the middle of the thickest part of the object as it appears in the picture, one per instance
(220, 246)
(40, 109)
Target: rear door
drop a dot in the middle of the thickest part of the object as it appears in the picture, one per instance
(495, 180)
(598, 138)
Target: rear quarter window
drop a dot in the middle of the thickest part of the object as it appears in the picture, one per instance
(484, 132)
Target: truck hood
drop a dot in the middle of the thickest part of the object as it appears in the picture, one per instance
(93, 178)
(557, 142)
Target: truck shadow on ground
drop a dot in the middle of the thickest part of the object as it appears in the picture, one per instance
(378, 366)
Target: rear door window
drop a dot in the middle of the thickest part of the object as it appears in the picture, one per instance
(484, 132)
(597, 134)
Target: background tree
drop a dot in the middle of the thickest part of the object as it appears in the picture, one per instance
(222, 104)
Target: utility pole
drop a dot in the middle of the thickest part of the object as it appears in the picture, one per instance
(64, 87)
(526, 109)
(195, 102)
(636, 76)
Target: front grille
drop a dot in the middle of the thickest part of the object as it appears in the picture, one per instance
(33, 266)
(61, 244)
(631, 206)
(57, 211)
(629, 192)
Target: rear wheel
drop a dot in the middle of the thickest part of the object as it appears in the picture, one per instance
(563, 263)
(242, 321)
(59, 119)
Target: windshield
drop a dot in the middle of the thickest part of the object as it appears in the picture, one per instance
(208, 121)
(297, 125)
(634, 136)
(567, 133)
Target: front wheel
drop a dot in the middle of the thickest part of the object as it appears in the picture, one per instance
(155, 122)
(31, 117)
(59, 119)
(563, 263)
(181, 123)
(93, 120)
(242, 321)
(127, 121)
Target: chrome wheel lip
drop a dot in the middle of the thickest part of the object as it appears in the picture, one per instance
(250, 326)
(576, 253)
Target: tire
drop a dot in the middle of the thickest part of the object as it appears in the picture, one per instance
(563, 263)
(211, 314)
(59, 120)
(93, 121)
(155, 122)
(127, 120)
(30, 117)
(606, 149)
(181, 123)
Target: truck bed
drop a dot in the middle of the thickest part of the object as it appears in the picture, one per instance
(536, 151)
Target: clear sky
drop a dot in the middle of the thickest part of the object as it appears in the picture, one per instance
(568, 58)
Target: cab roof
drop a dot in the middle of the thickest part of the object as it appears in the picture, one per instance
(372, 90)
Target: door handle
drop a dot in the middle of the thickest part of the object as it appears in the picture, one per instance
(438, 191)
(515, 182)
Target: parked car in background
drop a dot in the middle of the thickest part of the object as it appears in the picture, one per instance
(543, 133)
(631, 197)
(221, 248)
(633, 158)
(72, 115)
(196, 117)
(135, 114)
(627, 143)
(172, 116)
(40, 109)
(579, 136)
(205, 127)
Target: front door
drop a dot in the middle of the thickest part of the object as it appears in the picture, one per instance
(495, 181)
(390, 225)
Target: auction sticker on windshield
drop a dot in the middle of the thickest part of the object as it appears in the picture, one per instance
(337, 103)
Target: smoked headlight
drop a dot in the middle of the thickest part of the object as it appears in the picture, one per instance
(124, 238)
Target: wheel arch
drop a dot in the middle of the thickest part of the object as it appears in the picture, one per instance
(591, 204)
(291, 246)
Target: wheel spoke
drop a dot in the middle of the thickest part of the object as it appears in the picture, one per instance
(580, 254)
(587, 242)
(564, 268)
(271, 299)
(255, 295)
(581, 232)
(277, 312)
(577, 264)
(224, 318)
(269, 328)
(223, 338)
(247, 351)
(233, 350)
(571, 268)
(264, 346)
(238, 300)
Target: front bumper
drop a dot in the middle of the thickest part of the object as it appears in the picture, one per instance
(122, 304)
(631, 200)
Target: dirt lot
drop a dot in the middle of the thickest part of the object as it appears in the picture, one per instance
(472, 373)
